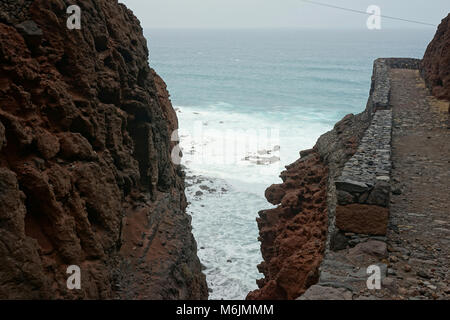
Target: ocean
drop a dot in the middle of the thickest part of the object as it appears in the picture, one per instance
(248, 101)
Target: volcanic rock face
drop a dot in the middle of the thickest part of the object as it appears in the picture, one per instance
(436, 62)
(85, 171)
(294, 235)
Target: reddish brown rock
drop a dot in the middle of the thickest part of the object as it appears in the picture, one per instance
(47, 144)
(75, 147)
(275, 193)
(164, 100)
(436, 62)
(2, 136)
(362, 218)
(292, 254)
(293, 235)
(85, 171)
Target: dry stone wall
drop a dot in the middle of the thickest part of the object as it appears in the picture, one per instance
(359, 199)
(363, 188)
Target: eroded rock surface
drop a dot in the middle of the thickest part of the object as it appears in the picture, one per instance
(436, 62)
(358, 196)
(316, 205)
(294, 235)
(85, 172)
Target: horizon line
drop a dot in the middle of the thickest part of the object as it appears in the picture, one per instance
(288, 27)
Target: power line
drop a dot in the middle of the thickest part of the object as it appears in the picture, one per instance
(365, 13)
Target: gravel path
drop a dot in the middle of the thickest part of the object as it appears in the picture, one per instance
(419, 231)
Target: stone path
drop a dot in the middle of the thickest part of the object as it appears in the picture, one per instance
(419, 230)
(414, 256)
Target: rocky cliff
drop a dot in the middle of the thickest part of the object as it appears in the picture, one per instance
(86, 177)
(436, 62)
(294, 235)
(314, 215)
(337, 195)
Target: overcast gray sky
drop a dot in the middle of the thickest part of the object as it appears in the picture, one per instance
(280, 13)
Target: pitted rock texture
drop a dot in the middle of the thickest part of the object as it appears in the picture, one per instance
(85, 171)
(436, 62)
(293, 236)
(292, 256)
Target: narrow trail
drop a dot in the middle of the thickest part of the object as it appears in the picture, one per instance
(414, 256)
(419, 231)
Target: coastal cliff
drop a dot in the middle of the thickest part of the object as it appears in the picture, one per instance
(335, 198)
(86, 176)
(294, 235)
(333, 217)
(436, 62)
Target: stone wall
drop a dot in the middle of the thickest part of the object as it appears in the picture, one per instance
(359, 198)
(363, 188)
(381, 87)
(326, 200)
